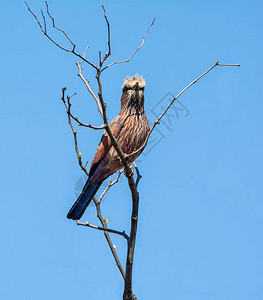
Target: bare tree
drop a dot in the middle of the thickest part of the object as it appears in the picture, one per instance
(98, 97)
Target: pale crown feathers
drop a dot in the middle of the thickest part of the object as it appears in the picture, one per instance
(133, 83)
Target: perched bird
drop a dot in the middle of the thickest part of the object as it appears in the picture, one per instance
(130, 128)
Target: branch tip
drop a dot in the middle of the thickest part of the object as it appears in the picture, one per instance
(131, 56)
(172, 101)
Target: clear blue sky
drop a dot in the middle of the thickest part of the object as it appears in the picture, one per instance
(201, 220)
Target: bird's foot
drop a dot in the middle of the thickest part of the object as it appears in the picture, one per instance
(130, 173)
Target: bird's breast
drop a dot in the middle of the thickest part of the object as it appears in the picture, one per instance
(134, 133)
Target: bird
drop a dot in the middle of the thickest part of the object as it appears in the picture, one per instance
(130, 128)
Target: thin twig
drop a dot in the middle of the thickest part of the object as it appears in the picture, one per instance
(99, 57)
(84, 54)
(86, 82)
(84, 124)
(139, 176)
(172, 101)
(109, 186)
(81, 123)
(122, 233)
(229, 65)
(53, 24)
(44, 30)
(78, 121)
(67, 106)
(86, 163)
(107, 236)
(107, 54)
(44, 20)
(131, 56)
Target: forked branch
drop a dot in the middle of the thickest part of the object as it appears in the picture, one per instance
(136, 50)
(122, 233)
(83, 167)
(44, 30)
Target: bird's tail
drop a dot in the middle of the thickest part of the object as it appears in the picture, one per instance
(84, 199)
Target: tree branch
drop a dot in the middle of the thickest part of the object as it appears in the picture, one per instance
(172, 101)
(122, 233)
(139, 176)
(97, 203)
(131, 56)
(54, 26)
(44, 30)
(109, 186)
(128, 294)
(76, 119)
(86, 82)
(107, 54)
(107, 236)
(67, 106)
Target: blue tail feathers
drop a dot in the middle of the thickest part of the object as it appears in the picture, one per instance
(84, 199)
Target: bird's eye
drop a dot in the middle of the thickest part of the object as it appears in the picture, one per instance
(125, 89)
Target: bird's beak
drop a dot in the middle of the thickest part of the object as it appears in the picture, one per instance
(136, 86)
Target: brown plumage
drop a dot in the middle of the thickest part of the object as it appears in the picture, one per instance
(130, 128)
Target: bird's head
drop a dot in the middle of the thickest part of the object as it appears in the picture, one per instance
(133, 84)
(133, 93)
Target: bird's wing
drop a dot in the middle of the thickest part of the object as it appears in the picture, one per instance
(105, 143)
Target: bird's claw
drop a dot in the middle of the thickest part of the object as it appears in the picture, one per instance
(131, 172)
